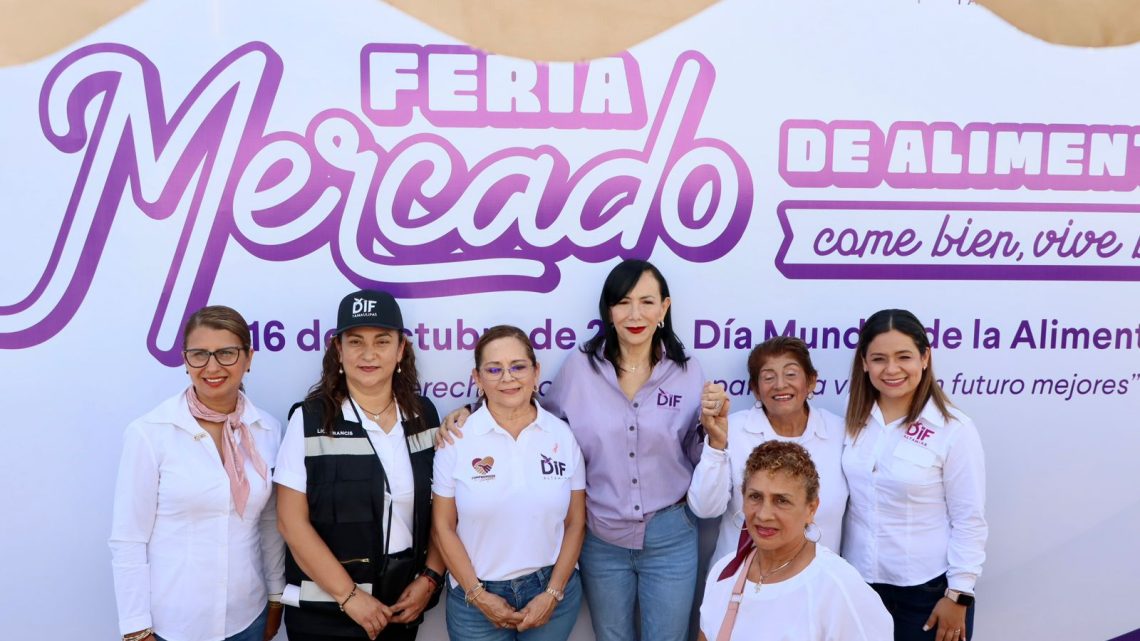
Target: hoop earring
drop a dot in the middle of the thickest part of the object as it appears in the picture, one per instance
(660, 324)
(818, 532)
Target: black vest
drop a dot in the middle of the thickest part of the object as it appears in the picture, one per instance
(349, 510)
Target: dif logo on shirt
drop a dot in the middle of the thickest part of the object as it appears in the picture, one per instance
(665, 399)
(916, 432)
(551, 467)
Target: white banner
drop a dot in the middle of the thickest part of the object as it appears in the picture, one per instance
(790, 167)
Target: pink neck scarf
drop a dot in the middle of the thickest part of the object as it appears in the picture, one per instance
(233, 459)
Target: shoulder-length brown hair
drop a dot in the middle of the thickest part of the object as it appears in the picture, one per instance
(863, 393)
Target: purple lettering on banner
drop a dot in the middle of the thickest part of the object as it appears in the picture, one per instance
(502, 223)
(944, 155)
(399, 79)
(859, 240)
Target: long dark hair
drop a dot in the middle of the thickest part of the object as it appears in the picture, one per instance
(619, 282)
(332, 388)
(864, 394)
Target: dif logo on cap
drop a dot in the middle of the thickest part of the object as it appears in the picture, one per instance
(369, 308)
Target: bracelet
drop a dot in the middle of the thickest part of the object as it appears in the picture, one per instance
(557, 594)
(276, 605)
(138, 636)
(347, 598)
(473, 593)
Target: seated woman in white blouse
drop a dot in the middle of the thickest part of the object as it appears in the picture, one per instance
(781, 586)
(194, 543)
(510, 506)
(781, 377)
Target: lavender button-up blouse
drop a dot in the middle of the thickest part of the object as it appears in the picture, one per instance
(639, 454)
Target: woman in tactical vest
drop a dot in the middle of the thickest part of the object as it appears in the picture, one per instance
(354, 471)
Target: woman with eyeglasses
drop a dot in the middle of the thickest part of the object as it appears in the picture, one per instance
(194, 545)
(354, 486)
(510, 506)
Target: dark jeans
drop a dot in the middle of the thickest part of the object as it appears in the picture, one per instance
(911, 606)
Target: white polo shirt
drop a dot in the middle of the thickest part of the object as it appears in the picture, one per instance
(390, 447)
(715, 490)
(918, 495)
(511, 495)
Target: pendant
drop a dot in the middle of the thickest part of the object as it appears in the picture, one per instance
(757, 588)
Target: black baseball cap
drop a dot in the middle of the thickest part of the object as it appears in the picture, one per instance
(368, 308)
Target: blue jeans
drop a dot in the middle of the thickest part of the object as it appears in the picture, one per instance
(911, 606)
(467, 622)
(660, 579)
(255, 631)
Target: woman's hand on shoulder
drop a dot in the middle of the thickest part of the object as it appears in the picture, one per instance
(449, 429)
(714, 414)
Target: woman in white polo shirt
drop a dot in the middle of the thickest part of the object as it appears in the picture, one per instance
(915, 525)
(510, 508)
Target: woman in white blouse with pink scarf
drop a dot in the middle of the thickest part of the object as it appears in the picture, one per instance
(194, 544)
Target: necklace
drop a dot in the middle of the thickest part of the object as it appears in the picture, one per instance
(785, 564)
(631, 370)
(375, 416)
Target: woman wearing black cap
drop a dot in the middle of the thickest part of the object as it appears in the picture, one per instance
(354, 476)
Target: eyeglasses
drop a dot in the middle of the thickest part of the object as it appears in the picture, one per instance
(225, 356)
(517, 370)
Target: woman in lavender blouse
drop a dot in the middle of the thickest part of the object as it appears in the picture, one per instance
(633, 399)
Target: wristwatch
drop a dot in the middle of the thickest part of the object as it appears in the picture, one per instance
(431, 575)
(961, 598)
